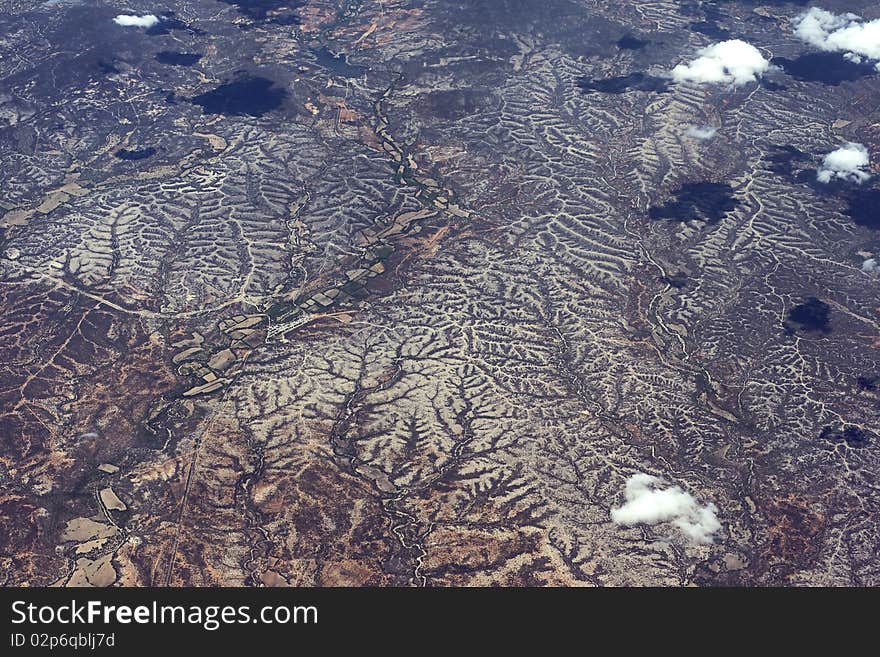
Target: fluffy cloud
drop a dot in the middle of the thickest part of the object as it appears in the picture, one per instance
(845, 33)
(147, 20)
(731, 62)
(846, 163)
(702, 132)
(647, 502)
(871, 266)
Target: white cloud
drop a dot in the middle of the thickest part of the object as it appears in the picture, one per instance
(845, 33)
(701, 132)
(648, 503)
(147, 20)
(731, 62)
(871, 266)
(847, 163)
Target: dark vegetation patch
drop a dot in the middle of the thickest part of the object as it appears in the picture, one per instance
(811, 316)
(783, 158)
(704, 201)
(137, 154)
(279, 12)
(168, 24)
(107, 68)
(826, 67)
(800, 167)
(286, 19)
(177, 58)
(578, 31)
(453, 103)
(622, 83)
(710, 28)
(852, 435)
(773, 3)
(864, 208)
(869, 383)
(629, 42)
(769, 85)
(678, 280)
(710, 15)
(87, 48)
(246, 96)
(862, 204)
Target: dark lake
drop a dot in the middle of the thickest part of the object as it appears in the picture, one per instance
(246, 96)
(337, 63)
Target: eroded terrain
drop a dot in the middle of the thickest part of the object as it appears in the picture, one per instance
(401, 293)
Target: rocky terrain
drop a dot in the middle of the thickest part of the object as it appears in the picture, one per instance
(404, 292)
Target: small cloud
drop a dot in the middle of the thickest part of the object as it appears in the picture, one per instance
(846, 163)
(147, 20)
(871, 266)
(731, 62)
(703, 132)
(647, 502)
(845, 33)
